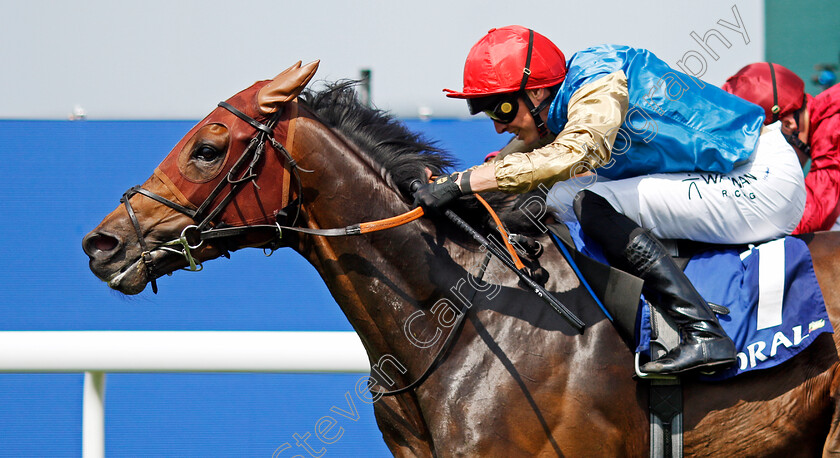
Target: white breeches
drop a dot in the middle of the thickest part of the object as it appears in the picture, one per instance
(759, 200)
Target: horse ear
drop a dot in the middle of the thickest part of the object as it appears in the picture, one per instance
(285, 86)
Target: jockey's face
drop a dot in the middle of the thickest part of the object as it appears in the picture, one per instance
(523, 125)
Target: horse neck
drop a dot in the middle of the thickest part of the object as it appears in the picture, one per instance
(378, 279)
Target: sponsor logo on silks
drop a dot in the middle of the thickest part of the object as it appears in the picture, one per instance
(816, 325)
(754, 353)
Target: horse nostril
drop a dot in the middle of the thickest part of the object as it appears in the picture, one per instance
(97, 242)
(105, 243)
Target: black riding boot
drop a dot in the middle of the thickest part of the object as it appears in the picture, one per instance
(704, 343)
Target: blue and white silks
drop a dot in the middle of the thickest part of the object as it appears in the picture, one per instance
(674, 122)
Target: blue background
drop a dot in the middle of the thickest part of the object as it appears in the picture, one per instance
(57, 181)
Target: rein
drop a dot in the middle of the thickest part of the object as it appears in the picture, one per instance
(444, 348)
(193, 236)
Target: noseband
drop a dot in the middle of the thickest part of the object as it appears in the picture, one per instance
(243, 171)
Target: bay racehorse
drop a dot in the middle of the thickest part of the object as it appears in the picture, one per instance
(515, 379)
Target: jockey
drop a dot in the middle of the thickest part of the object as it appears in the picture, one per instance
(810, 124)
(659, 149)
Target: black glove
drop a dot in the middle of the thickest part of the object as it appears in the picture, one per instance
(438, 193)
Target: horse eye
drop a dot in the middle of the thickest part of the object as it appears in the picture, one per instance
(206, 153)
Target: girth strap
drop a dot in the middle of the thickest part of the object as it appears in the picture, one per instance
(666, 419)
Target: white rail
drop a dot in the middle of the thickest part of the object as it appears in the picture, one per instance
(98, 352)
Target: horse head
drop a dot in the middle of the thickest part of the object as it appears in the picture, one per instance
(231, 170)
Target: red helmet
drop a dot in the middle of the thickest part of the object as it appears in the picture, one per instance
(771, 86)
(497, 63)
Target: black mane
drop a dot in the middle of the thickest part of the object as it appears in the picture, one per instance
(403, 153)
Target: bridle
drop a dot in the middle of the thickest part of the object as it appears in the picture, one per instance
(242, 172)
(193, 236)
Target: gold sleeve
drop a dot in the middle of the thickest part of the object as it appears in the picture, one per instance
(596, 111)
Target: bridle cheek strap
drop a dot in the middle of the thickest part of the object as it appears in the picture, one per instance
(145, 254)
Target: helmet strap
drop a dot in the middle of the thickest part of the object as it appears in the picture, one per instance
(535, 112)
(526, 72)
(793, 137)
(796, 142)
(776, 109)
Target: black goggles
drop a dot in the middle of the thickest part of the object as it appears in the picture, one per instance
(500, 108)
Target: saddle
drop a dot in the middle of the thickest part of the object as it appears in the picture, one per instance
(778, 310)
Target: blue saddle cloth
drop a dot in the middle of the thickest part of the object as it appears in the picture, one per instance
(776, 306)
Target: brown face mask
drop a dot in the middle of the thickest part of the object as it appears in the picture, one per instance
(205, 156)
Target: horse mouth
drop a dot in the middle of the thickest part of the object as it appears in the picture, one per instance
(133, 278)
(128, 279)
